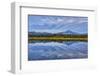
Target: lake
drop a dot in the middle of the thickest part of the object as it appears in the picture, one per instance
(57, 50)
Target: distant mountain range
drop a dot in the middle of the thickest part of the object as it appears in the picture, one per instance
(68, 32)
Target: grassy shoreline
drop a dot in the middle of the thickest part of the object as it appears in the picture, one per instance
(57, 39)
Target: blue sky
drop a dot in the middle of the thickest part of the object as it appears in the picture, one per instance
(55, 24)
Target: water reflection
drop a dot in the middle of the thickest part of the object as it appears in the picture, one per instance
(57, 50)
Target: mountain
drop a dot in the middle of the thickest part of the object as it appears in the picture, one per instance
(69, 32)
(39, 34)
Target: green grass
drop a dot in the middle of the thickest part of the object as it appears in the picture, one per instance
(59, 38)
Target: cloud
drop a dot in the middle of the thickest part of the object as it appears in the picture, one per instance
(55, 24)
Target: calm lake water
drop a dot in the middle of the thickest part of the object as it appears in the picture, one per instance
(57, 50)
